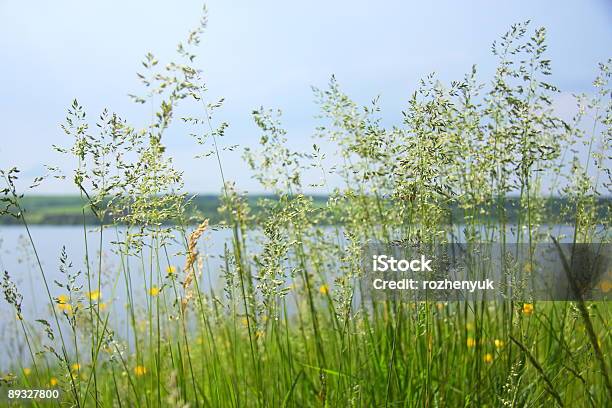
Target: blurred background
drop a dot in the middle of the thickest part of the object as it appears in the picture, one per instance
(266, 53)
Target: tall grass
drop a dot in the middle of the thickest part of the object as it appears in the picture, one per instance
(286, 328)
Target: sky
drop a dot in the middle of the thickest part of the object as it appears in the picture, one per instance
(266, 53)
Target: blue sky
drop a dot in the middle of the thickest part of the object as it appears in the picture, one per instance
(260, 53)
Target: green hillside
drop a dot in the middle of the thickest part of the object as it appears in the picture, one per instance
(69, 209)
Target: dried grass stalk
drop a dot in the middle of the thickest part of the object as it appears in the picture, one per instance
(192, 256)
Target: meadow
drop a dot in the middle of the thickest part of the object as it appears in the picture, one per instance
(479, 160)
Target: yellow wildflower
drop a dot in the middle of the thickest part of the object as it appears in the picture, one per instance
(53, 382)
(171, 270)
(62, 299)
(488, 358)
(102, 306)
(528, 308)
(471, 342)
(605, 286)
(498, 343)
(324, 289)
(27, 371)
(66, 307)
(154, 291)
(76, 367)
(94, 295)
(140, 370)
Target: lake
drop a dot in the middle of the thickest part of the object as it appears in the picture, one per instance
(17, 257)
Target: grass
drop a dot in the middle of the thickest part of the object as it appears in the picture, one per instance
(286, 328)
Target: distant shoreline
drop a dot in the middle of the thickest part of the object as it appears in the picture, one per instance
(60, 210)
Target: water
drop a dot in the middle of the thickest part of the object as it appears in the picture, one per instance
(18, 258)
